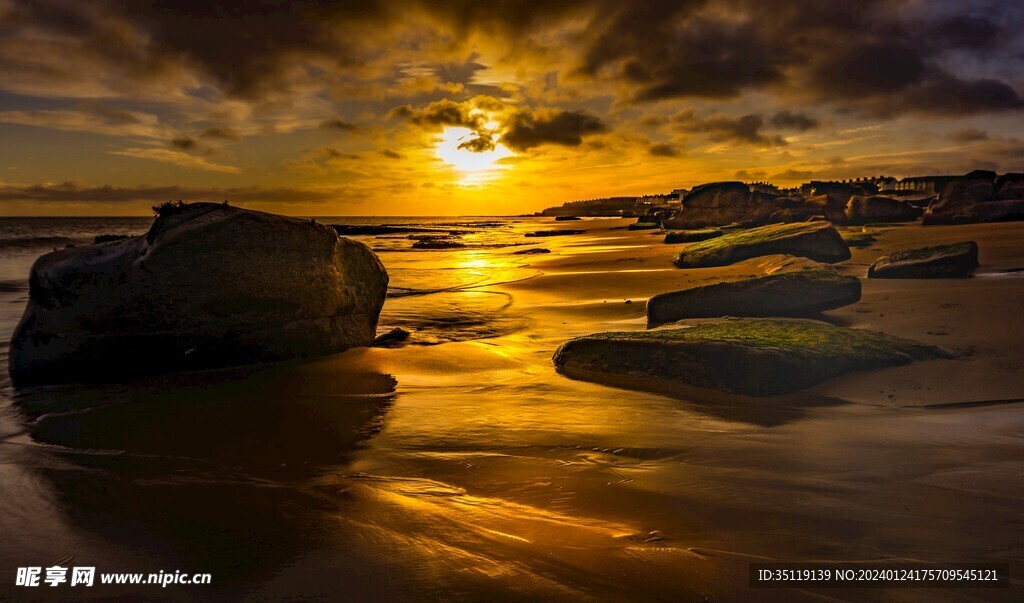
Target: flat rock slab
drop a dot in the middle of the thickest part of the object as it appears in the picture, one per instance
(692, 236)
(437, 244)
(643, 226)
(943, 261)
(800, 293)
(819, 241)
(553, 233)
(750, 356)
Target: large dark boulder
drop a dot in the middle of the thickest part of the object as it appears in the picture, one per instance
(943, 261)
(720, 203)
(959, 200)
(799, 293)
(1009, 186)
(209, 285)
(815, 240)
(792, 214)
(868, 210)
(832, 197)
(752, 356)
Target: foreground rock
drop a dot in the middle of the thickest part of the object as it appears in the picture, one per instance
(692, 236)
(208, 285)
(943, 261)
(800, 293)
(818, 241)
(862, 209)
(757, 357)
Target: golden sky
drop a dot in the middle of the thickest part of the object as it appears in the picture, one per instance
(483, 108)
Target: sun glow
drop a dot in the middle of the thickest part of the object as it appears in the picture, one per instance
(473, 167)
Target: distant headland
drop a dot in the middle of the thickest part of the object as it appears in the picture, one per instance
(978, 196)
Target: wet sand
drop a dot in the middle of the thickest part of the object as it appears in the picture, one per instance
(469, 469)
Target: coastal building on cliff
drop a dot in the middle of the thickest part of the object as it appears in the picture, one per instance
(933, 185)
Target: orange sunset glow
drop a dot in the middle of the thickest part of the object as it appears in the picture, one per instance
(421, 108)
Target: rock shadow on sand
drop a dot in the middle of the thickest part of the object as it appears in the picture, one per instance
(206, 471)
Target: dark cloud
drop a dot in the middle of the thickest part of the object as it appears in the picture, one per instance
(969, 135)
(672, 49)
(444, 112)
(788, 120)
(723, 128)
(330, 154)
(519, 128)
(184, 143)
(391, 154)
(77, 192)
(109, 115)
(880, 58)
(876, 57)
(478, 144)
(220, 133)
(337, 124)
(662, 149)
(526, 130)
(793, 175)
(747, 176)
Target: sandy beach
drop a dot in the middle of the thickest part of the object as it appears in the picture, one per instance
(462, 466)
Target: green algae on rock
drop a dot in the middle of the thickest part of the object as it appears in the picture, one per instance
(799, 293)
(751, 356)
(818, 241)
(692, 236)
(942, 261)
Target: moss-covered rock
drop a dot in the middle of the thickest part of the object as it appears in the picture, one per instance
(860, 240)
(800, 293)
(815, 240)
(752, 356)
(942, 261)
(692, 236)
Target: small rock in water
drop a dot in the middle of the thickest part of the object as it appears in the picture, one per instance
(553, 233)
(391, 338)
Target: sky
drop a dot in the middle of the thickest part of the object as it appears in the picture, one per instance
(486, 108)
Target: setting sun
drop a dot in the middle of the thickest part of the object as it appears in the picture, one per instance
(473, 166)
